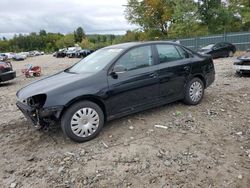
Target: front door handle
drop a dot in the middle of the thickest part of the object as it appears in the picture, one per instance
(153, 75)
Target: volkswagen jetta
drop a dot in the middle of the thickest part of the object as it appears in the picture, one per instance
(116, 81)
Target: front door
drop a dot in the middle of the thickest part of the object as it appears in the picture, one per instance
(137, 84)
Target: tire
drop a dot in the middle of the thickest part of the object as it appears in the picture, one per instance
(91, 119)
(190, 97)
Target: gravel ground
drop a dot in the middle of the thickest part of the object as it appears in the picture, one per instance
(175, 145)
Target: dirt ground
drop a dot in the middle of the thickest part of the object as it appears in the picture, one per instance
(207, 145)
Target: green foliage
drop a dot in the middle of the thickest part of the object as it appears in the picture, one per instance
(158, 20)
(187, 18)
(79, 34)
(150, 14)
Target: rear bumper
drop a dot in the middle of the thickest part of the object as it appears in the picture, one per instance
(7, 76)
(210, 78)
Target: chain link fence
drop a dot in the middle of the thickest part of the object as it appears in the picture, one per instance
(241, 40)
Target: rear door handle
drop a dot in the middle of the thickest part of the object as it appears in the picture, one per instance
(186, 68)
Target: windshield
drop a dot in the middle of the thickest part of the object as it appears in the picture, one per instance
(95, 61)
(208, 47)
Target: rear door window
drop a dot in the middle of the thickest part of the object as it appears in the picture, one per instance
(168, 53)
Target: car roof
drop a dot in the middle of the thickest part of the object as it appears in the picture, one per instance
(133, 44)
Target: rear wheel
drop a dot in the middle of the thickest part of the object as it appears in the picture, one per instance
(194, 91)
(82, 121)
(230, 54)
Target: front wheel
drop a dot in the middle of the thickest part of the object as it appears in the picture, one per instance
(82, 121)
(194, 92)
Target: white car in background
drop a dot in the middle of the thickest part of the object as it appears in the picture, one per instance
(20, 57)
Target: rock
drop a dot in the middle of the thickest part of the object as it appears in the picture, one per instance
(239, 133)
(161, 126)
(69, 153)
(167, 163)
(125, 143)
(240, 176)
(105, 145)
(10, 171)
(85, 182)
(31, 158)
(131, 127)
(144, 166)
(61, 168)
(83, 152)
(67, 159)
(13, 185)
(160, 153)
(136, 159)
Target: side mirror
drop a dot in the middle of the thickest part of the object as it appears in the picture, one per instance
(116, 70)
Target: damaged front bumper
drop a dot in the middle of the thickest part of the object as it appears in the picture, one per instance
(42, 116)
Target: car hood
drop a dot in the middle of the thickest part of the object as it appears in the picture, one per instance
(50, 83)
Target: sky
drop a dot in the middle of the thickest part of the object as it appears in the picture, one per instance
(64, 16)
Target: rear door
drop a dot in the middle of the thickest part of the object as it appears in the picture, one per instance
(138, 85)
(174, 68)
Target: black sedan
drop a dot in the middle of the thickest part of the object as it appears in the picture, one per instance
(218, 50)
(6, 71)
(242, 64)
(116, 81)
(60, 53)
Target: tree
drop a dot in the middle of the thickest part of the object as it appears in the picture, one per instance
(79, 34)
(42, 32)
(241, 10)
(150, 14)
(215, 15)
(66, 41)
(185, 20)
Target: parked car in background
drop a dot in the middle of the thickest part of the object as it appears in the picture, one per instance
(3, 57)
(34, 53)
(60, 53)
(19, 57)
(6, 71)
(218, 50)
(242, 63)
(116, 81)
(9, 55)
(83, 53)
(73, 51)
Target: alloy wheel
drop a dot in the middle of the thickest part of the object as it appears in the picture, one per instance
(195, 91)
